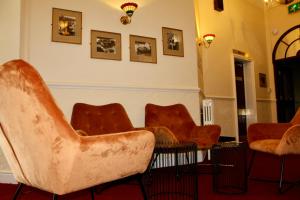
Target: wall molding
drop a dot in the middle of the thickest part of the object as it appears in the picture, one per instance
(7, 177)
(265, 100)
(95, 86)
(233, 98)
(220, 97)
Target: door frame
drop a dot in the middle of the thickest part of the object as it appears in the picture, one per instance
(250, 91)
(284, 59)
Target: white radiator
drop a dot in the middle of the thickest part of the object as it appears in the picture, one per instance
(208, 115)
(208, 111)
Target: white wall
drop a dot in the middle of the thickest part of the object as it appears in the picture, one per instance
(278, 21)
(9, 49)
(10, 29)
(70, 65)
(240, 26)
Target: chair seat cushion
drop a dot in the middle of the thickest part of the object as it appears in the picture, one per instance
(267, 145)
(102, 119)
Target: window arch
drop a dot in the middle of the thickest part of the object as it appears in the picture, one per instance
(288, 45)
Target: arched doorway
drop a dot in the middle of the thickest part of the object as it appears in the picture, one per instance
(286, 61)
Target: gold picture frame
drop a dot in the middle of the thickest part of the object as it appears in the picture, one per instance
(105, 45)
(66, 26)
(172, 42)
(142, 49)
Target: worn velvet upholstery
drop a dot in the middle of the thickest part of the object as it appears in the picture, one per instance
(101, 119)
(45, 152)
(180, 124)
(276, 138)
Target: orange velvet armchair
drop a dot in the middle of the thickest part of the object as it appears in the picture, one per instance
(45, 152)
(173, 123)
(279, 139)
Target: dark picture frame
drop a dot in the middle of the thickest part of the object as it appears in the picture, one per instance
(262, 80)
(105, 45)
(142, 49)
(66, 26)
(172, 42)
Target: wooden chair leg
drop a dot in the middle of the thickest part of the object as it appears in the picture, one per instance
(18, 190)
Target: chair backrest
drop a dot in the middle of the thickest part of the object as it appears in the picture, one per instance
(103, 119)
(33, 129)
(175, 117)
(296, 118)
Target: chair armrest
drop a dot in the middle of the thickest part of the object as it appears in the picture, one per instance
(290, 142)
(104, 158)
(162, 134)
(261, 131)
(138, 129)
(81, 132)
(206, 136)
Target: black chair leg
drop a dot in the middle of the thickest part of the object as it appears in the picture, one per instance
(282, 162)
(92, 192)
(140, 180)
(253, 154)
(18, 190)
(55, 197)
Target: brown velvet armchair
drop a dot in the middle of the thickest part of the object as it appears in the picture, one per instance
(45, 152)
(173, 123)
(280, 139)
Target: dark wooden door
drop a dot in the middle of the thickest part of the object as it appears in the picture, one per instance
(240, 95)
(286, 83)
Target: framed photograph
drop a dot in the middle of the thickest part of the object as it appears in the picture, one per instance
(105, 45)
(262, 80)
(66, 26)
(172, 42)
(142, 49)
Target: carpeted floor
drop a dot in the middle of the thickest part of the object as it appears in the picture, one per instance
(265, 166)
(256, 191)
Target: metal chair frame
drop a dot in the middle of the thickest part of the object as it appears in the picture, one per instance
(283, 186)
(92, 189)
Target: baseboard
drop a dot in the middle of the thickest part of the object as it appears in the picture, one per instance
(6, 177)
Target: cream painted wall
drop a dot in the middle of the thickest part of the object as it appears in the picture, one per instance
(9, 49)
(240, 26)
(55, 61)
(278, 21)
(10, 29)
(69, 64)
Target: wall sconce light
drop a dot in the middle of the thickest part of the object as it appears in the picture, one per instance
(207, 40)
(129, 9)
